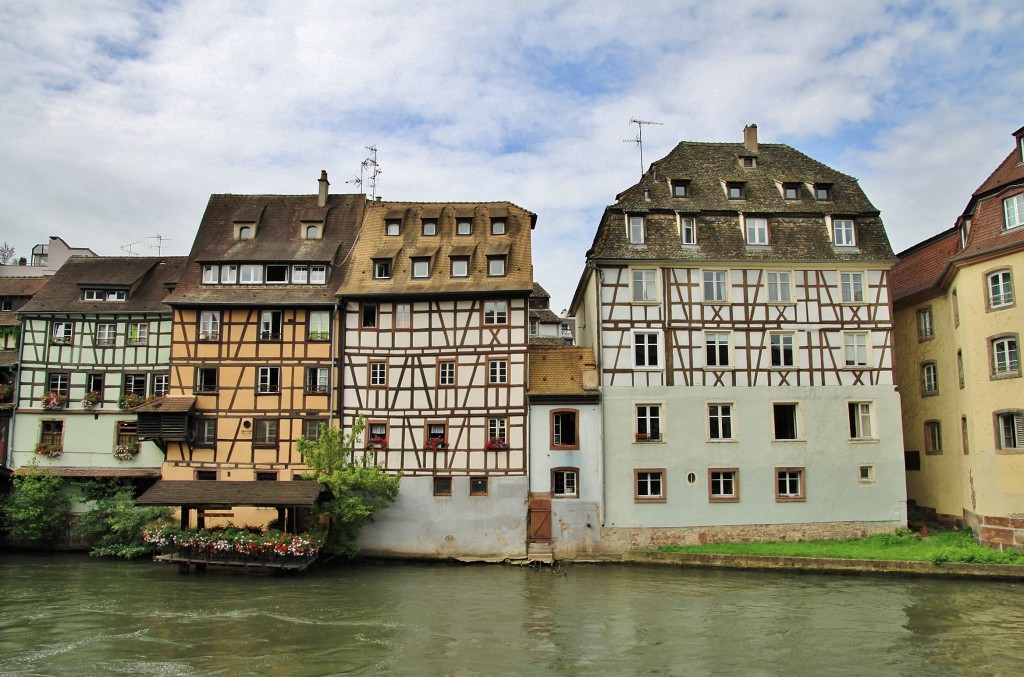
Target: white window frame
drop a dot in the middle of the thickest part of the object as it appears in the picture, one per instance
(446, 373)
(497, 372)
(1010, 429)
(780, 286)
(495, 313)
(925, 324)
(249, 273)
(382, 269)
(62, 332)
(756, 230)
(798, 424)
(646, 346)
(211, 274)
(844, 233)
(856, 349)
(318, 274)
(138, 333)
(793, 477)
(714, 342)
(929, 378)
(636, 229)
(723, 485)
(1005, 356)
(300, 274)
(724, 414)
(647, 421)
(403, 316)
(497, 428)
(688, 230)
(209, 325)
(420, 269)
(229, 273)
(852, 286)
(460, 266)
(378, 374)
(644, 285)
(715, 286)
(464, 227)
(268, 380)
(861, 419)
(999, 286)
(649, 484)
(1013, 211)
(497, 266)
(782, 344)
(106, 333)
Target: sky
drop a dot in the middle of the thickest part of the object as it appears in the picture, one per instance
(118, 119)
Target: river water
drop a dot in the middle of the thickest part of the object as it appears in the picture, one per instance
(75, 615)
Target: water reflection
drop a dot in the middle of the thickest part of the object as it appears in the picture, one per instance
(71, 615)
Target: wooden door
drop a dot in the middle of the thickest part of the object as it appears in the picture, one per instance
(540, 518)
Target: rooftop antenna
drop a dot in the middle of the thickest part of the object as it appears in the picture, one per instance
(368, 166)
(128, 248)
(159, 246)
(639, 140)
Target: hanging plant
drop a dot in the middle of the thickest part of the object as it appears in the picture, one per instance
(90, 398)
(496, 443)
(130, 401)
(5, 391)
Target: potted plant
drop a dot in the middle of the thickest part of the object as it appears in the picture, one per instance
(5, 391)
(434, 443)
(377, 442)
(125, 452)
(641, 437)
(90, 399)
(49, 450)
(496, 443)
(52, 400)
(130, 401)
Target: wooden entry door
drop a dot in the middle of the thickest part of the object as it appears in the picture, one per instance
(540, 518)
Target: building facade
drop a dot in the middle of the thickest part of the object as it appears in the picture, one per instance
(737, 299)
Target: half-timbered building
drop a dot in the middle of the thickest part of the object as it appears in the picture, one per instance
(737, 298)
(434, 358)
(15, 292)
(96, 341)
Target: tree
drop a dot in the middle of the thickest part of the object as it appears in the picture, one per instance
(113, 524)
(6, 253)
(37, 512)
(357, 487)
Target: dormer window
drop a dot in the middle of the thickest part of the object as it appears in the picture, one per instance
(277, 274)
(430, 228)
(245, 232)
(823, 191)
(460, 266)
(496, 266)
(1013, 212)
(680, 188)
(734, 190)
(464, 227)
(228, 274)
(382, 269)
(843, 233)
(498, 227)
(748, 161)
(251, 274)
(757, 230)
(300, 274)
(312, 232)
(210, 276)
(791, 191)
(688, 230)
(318, 274)
(637, 232)
(393, 227)
(421, 268)
(105, 295)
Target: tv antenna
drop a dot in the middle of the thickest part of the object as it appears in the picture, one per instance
(639, 140)
(128, 247)
(159, 246)
(369, 167)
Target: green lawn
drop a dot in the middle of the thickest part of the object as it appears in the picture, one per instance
(938, 547)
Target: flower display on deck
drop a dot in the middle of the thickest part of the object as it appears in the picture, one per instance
(235, 545)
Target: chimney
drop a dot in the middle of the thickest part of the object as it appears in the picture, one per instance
(322, 201)
(750, 137)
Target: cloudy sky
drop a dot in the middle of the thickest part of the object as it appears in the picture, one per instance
(118, 119)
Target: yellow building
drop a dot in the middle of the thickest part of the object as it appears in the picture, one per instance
(958, 326)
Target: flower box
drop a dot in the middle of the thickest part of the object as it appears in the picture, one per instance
(49, 450)
(5, 391)
(435, 443)
(52, 400)
(90, 399)
(377, 443)
(496, 444)
(125, 452)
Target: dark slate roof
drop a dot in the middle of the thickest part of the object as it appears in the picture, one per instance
(375, 244)
(147, 279)
(228, 493)
(539, 292)
(93, 472)
(167, 405)
(545, 315)
(21, 286)
(797, 227)
(561, 371)
(279, 222)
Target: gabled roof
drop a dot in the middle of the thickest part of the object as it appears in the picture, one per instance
(147, 279)
(375, 244)
(918, 269)
(21, 286)
(562, 372)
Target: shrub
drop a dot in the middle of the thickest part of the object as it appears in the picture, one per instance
(37, 511)
(113, 524)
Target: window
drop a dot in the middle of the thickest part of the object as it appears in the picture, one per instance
(161, 384)
(1005, 358)
(378, 374)
(534, 326)
(318, 274)
(734, 190)
(460, 266)
(138, 333)
(843, 234)
(680, 188)
(382, 269)
(204, 432)
(206, 475)
(852, 285)
(300, 274)
(785, 421)
(368, 315)
(855, 348)
(650, 485)
(94, 384)
(564, 431)
(496, 266)
(268, 380)
(791, 191)
(789, 484)
(716, 349)
(6, 306)
(135, 384)
(277, 274)
(929, 379)
(782, 350)
(319, 325)
(964, 441)
(498, 227)
(403, 316)
(960, 368)
(442, 486)
(757, 230)
(823, 191)
(311, 428)
(956, 308)
(1013, 211)
(312, 232)
(228, 274)
(61, 332)
(688, 230)
(495, 312)
(648, 423)
(51, 434)
(636, 229)
(477, 486)
(446, 374)
(111, 295)
(1010, 430)
(106, 333)
(245, 233)
(645, 350)
(497, 371)
(463, 227)
(206, 379)
(58, 382)
(911, 460)
(866, 474)
(264, 433)
(1000, 289)
(376, 435)
(430, 228)
(564, 483)
(393, 227)
(644, 286)
(723, 485)
(250, 274)
(270, 325)
(932, 437)
(127, 434)
(209, 325)
(421, 268)
(860, 418)
(266, 475)
(720, 422)
(211, 274)
(925, 327)
(316, 379)
(714, 286)
(437, 433)
(779, 287)
(748, 161)
(497, 429)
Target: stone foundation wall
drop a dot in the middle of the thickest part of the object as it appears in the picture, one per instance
(997, 532)
(616, 540)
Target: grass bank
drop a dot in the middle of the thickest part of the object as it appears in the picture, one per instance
(906, 546)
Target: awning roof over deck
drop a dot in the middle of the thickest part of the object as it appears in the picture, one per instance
(92, 472)
(225, 494)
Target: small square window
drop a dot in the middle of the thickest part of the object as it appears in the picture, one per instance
(460, 266)
(867, 474)
(382, 269)
(477, 486)
(464, 227)
(790, 485)
(393, 227)
(312, 232)
(446, 374)
(791, 191)
(421, 268)
(498, 227)
(496, 266)
(649, 485)
(300, 274)
(680, 188)
(495, 312)
(265, 431)
(378, 374)
(823, 191)
(564, 483)
(723, 485)
(430, 228)
(443, 486)
(318, 274)
(735, 190)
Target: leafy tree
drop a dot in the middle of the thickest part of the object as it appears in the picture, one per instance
(358, 487)
(113, 524)
(37, 512)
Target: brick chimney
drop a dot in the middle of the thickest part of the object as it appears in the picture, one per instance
(750, 137)
(322, 200)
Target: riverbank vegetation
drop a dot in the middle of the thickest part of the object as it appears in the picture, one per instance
(36, 513)
(935, 546)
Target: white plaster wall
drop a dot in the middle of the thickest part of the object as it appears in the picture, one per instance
(88, 441)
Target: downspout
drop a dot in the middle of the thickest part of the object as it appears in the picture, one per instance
(337, 348)
(598, 349)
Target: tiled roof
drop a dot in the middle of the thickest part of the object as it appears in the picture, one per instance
(21, 286)
(562, 371)
(919, 268)
(94, 472)
(146, 277)
(375, 244)
(167, 405)
(539, 292)
(797, 227)
(227, 493)
(1009, 170)
(280, 223)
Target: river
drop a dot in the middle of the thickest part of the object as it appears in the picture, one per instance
(74, 615)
